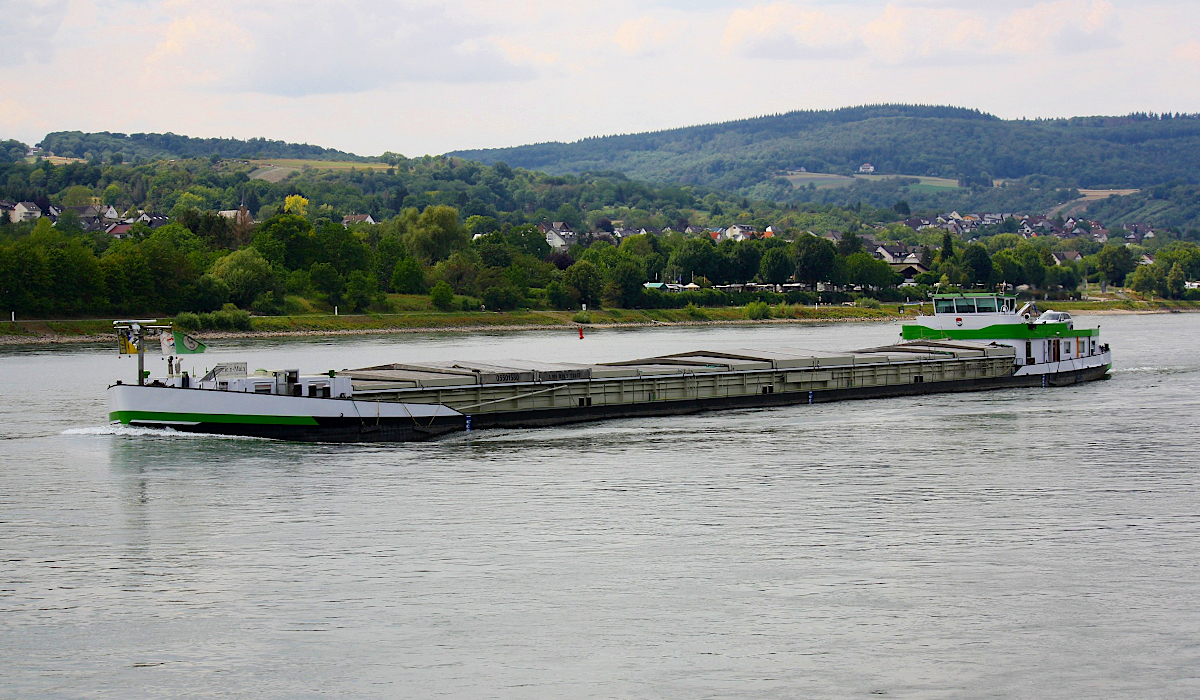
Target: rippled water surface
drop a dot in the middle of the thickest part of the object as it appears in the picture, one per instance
(1011, 544)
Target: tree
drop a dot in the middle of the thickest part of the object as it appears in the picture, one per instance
(206, 294)
(815, 258)
(742, 262)
(408, 277)
(584, 281)
(337, 245)
(113, 194)
(978, 263)
(1114, 262)
(569, 214)
(327, 280)
(186, 201)
(362, 290)
(77, 196)
(68, 223)
(558, 296)
(849, 244)
(442, 296)
(776, 266)
(502, 297)
(947, 252)
(902, 208)
(1176, 281)
(695, 258)
(1033, 267)
(286, 240)
(529, 240)
(437, 234)
(1006, 268)
(481, 225)
(864, 269)
(295, 204)
(246, 273)
(493, 251)
(927, 257)
(1143, 280)
(625, 281)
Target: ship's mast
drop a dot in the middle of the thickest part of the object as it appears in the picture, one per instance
(137, 337)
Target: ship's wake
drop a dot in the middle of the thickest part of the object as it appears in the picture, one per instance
(121, 430)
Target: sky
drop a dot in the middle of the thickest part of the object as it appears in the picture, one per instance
(419, 76)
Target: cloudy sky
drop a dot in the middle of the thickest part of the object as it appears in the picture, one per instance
(417, 76)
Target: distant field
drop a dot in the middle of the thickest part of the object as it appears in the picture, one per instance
(941, 183)
(276, 169)
(824, 181)
(55, 160)
(1086, 197)
(1105, 194)
(320, 164)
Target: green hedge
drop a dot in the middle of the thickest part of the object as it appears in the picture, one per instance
(229, 318)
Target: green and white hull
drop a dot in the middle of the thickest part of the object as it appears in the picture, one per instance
(282, 417)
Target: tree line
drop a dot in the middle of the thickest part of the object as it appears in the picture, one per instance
(485, 250)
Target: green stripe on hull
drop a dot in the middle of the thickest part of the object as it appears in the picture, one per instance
(1007, 331)
(127, 417)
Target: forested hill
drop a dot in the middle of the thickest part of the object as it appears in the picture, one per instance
(1135, 151)
(103, 145)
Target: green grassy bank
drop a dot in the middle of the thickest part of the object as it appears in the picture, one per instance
(68, 330)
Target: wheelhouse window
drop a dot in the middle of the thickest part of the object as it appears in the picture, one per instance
(943, 306)
(964, 306)
(986, 305)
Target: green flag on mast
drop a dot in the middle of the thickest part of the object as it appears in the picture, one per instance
(186, 344)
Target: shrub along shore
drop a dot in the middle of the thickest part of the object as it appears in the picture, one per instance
(233, 324)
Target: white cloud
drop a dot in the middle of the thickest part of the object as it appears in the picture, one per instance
(916, 32)
(1187, 53)
(1063, 26)
(295, 49)
(785, 31)
(427, 76)
(646, 36)
(27, 30)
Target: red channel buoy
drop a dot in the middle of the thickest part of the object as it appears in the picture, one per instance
(581, 332)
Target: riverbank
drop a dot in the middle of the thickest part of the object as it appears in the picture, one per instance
(73, 331)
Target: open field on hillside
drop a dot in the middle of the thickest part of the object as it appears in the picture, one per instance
(1091, 195)
(55, 160)
(824, 181)
(941, 183)
(276, 169)
(1079, 206)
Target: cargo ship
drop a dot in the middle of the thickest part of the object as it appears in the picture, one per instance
(971, 342)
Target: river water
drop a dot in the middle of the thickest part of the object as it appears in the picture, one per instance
(1010, 544)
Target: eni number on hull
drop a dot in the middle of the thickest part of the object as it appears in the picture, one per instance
(972, 342)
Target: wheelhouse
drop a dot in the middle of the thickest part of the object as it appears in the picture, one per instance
(959, 304)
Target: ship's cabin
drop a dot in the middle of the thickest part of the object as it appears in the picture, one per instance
(960, 304)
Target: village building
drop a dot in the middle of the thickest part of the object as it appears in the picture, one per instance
(558, 235)
(25, 211)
